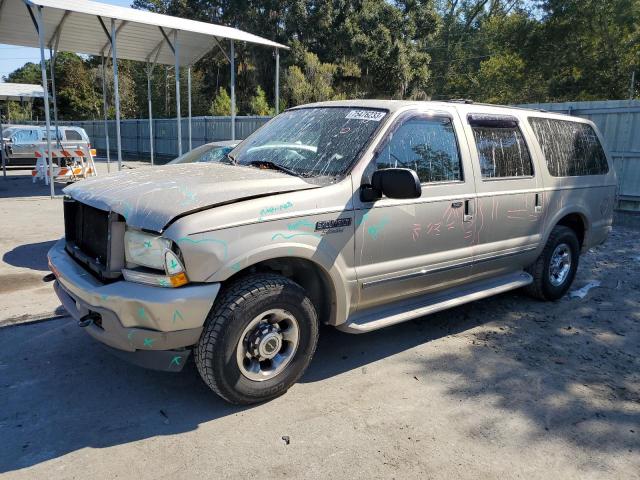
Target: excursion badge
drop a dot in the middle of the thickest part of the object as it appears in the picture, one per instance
(331, 224)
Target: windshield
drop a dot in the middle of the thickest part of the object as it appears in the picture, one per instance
(311, 142)
(205, 153)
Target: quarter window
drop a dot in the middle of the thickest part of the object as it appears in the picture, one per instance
(73, 135)
(570, 148)
(426, 145)
(502, 150)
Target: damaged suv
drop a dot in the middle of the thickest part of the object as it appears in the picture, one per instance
(356, 214)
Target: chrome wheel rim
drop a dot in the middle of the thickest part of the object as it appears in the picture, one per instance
(267, 345)
(560, 265)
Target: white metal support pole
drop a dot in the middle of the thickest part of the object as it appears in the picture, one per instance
(116, 91)
(47, 118)
(4, 164)
(104, 107)
(52, 63)
(176, 47)
(149, 71)
(277, 106)
(233, 91)
(189, 96)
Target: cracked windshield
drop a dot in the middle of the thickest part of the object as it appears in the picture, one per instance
(311, 142)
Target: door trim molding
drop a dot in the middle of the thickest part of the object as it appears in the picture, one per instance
(428, 271)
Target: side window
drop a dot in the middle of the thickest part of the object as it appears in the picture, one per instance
(570, 148)
(25, 136)
(502, 149)
(73, 135)
(426, 145)
(214, 155)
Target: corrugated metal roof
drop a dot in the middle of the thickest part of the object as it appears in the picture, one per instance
(19, 91)
(138, 33)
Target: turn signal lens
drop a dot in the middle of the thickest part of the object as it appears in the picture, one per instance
(178, 280)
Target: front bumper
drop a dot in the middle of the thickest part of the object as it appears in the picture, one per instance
(134, 319)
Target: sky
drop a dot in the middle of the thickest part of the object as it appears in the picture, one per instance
(12, 57)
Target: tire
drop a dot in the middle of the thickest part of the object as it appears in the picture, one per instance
(546, 285)
(225, 334)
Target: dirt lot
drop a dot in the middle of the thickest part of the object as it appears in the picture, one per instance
(506, 387)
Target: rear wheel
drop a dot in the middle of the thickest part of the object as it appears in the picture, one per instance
(258, 340)
(554, 270)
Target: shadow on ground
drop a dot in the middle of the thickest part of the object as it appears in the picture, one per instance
(20, 185)
(31, 255)
(570, 367)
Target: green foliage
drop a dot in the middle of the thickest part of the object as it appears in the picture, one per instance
(259, 104)
(311, 83)
(221, 104)
(501, 51)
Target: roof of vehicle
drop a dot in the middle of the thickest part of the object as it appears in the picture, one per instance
(465, 106)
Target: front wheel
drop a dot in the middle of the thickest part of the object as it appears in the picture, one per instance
(554, 270)
(258, 339)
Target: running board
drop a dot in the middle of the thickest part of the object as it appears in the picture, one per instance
(369, 320)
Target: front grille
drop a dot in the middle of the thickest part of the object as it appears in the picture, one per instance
(89, 235)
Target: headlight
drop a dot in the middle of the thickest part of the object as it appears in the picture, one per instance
(145, 249)
(155, 252)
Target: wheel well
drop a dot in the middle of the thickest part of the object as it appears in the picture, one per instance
(576, 223)
(307, 274)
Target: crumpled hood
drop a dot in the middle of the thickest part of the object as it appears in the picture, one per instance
(151, 197)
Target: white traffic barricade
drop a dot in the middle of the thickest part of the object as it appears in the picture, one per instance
(78, 163)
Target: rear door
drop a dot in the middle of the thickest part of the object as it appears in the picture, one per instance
(509, 218)
(409, 247)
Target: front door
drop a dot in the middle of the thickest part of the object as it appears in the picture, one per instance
(409, 247)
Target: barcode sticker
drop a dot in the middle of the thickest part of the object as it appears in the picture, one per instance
(374, 115)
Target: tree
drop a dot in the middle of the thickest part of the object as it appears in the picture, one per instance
(221, 105)
(259, 105)
(311, 83)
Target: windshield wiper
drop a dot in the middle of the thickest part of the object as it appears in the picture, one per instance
(273, 166)
(230, 159)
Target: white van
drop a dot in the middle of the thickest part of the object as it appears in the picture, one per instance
(24, 141)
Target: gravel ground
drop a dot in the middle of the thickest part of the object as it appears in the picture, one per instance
(507, 387)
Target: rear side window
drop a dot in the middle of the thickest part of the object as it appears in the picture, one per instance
(73, 135)
(427, 145)
(571, 149)
(501, 147)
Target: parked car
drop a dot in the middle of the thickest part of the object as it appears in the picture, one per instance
(209, 152)
(356, 214)
(24, 141)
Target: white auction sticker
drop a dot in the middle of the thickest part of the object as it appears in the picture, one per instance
(374, 115)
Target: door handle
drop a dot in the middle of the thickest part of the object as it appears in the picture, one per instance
(456, 204)
(538, 204)
(468, 211)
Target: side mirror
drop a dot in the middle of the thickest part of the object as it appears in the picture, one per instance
(400, 183)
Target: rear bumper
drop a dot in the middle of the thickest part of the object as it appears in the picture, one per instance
(136, 320)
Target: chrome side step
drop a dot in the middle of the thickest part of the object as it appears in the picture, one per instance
(373, 319)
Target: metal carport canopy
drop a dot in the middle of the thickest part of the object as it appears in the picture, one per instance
(16, 92)
(139, 31)
(81, 26)
(20, 91)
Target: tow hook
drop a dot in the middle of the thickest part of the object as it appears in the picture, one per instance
(88, 319)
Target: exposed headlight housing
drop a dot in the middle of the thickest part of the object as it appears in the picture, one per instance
(145, 249)
(155, 252)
